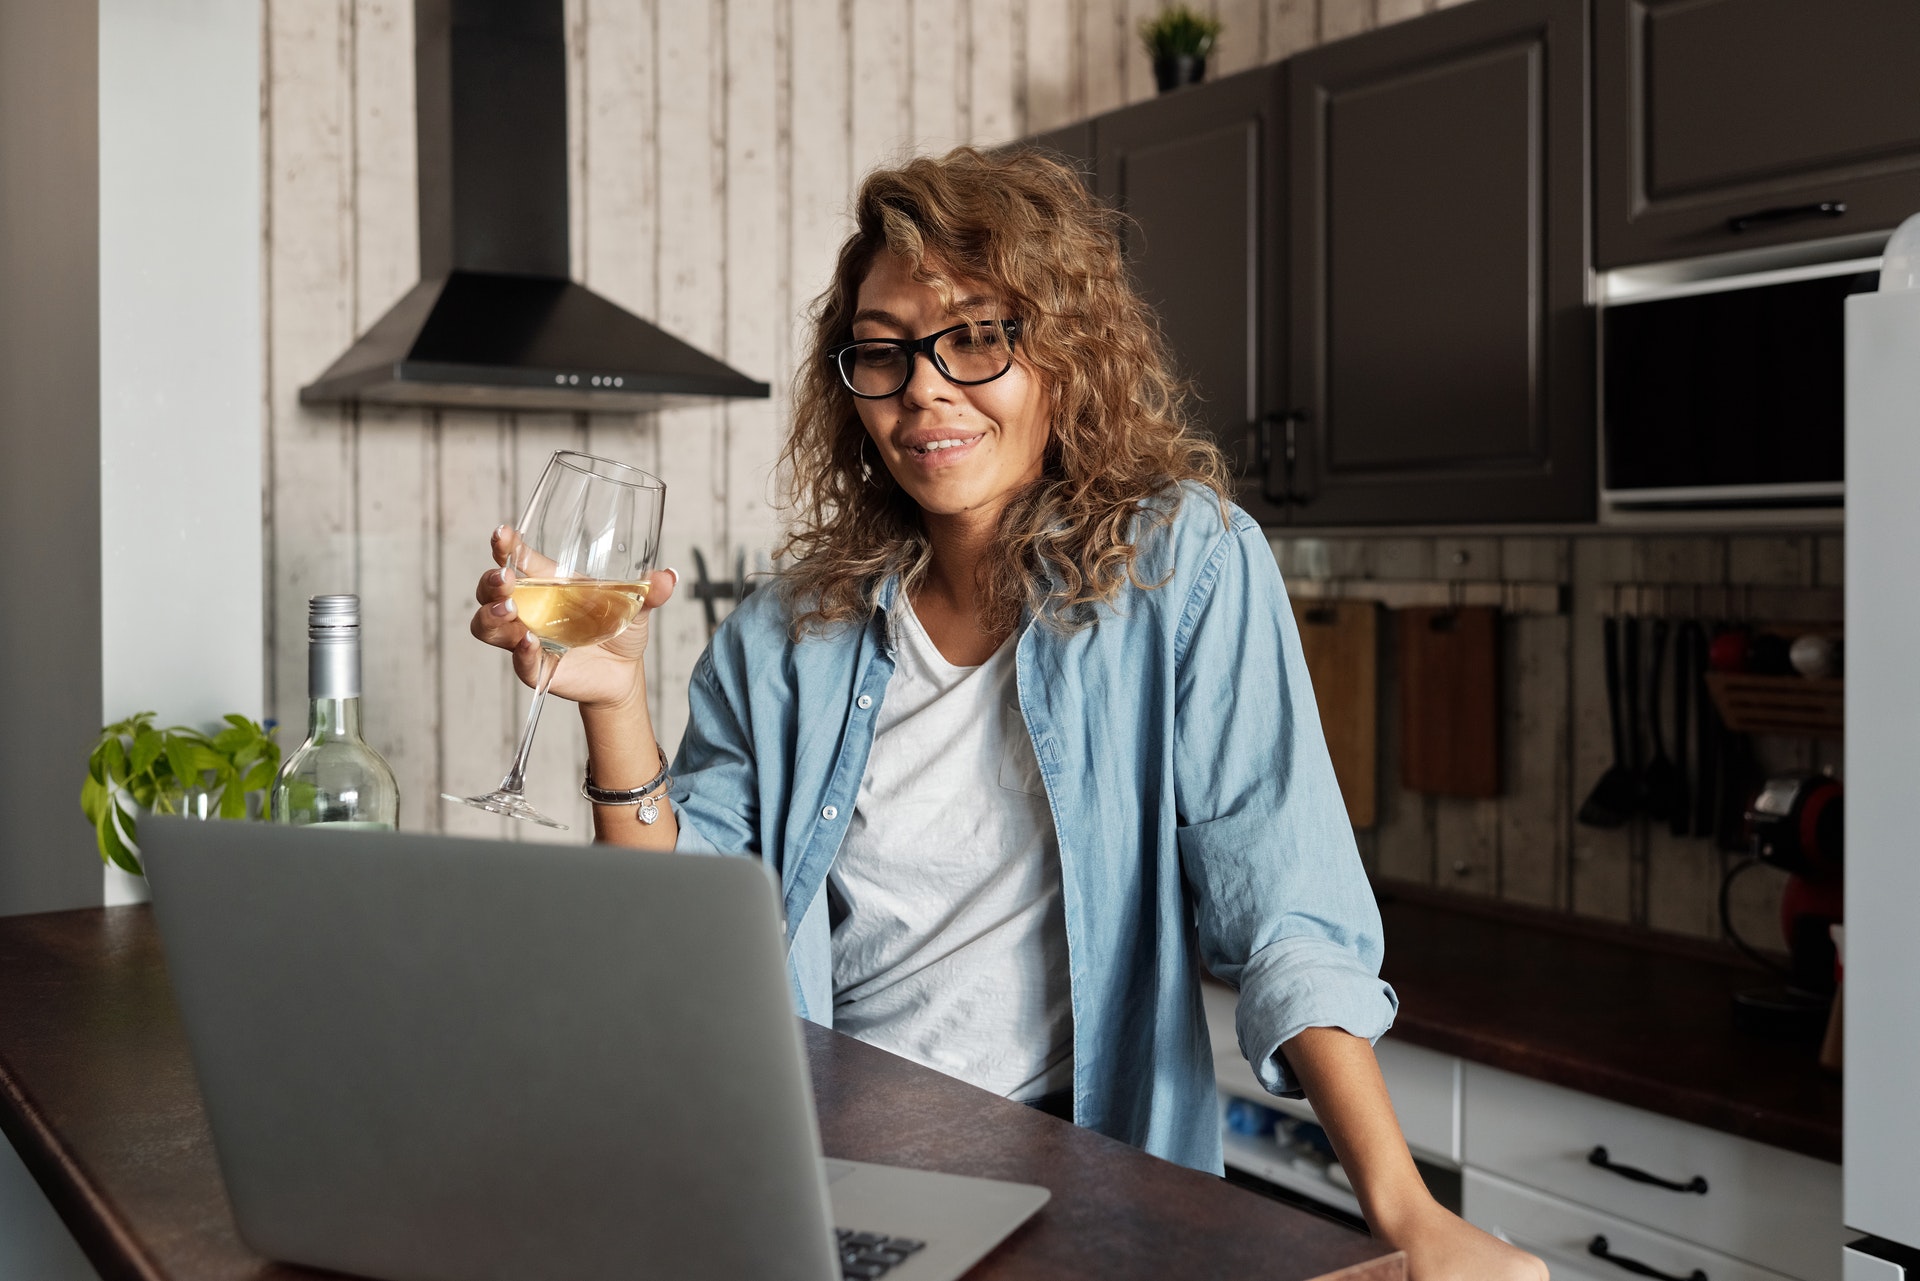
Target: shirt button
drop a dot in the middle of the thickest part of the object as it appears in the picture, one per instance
(863, 702)
(830, 813)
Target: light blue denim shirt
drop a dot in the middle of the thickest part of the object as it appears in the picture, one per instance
(1198, 817)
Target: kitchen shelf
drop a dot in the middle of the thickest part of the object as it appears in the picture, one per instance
(1539, 599)
(1721, 602)
(1799, 705)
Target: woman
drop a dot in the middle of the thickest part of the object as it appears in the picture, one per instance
(1024, 728)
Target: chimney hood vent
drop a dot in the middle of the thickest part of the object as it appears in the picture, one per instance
(495, 323)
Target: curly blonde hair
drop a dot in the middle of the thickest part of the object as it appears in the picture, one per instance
(1120, 435)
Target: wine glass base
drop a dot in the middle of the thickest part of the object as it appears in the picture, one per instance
(511, 804)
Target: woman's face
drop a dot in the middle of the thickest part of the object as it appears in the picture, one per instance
(1002, 426)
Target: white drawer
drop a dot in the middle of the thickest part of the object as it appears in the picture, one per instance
(1762, 1204)
(1424, 1086)
(1564, 1234)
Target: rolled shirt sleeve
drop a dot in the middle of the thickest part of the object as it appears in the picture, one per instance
(1283, 907)
(714, 780)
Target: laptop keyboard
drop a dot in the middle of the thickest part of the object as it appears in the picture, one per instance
(865, 1255)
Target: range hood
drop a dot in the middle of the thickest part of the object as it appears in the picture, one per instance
(495, 323)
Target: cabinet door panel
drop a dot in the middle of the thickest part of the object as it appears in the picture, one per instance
(1441, 355)
(1197, 174)
(1709, 110)
(1432, 265)
(1196, 258)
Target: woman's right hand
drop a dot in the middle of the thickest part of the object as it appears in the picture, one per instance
(606, 675)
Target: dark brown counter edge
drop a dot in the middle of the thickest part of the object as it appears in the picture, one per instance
(1716, 1076)
(114, 1253)
(124, 1155)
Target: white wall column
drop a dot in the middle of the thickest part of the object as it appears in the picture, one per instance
(181, 353)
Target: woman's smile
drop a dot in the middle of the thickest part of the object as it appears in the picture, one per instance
(955, 448)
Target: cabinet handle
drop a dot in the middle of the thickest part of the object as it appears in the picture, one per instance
(1599, 1157)
(1786, 213)
(1289, 424)
(1598, 1249)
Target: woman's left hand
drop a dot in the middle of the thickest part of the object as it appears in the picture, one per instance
(1441, 1246)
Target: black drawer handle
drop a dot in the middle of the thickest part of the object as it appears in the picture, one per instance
(1786, 213)
(1598, 1249)
(1599, 1157)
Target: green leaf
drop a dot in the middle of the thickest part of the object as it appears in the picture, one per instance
(93, 798)
(233, 740)
(144, 790)
(116, 761)
(238, 721)
(113, 848)
(233, 799)
(146, 750)
(131, 726)
(260, 776)
(180, 759)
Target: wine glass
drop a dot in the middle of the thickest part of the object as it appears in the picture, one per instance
(579, 576)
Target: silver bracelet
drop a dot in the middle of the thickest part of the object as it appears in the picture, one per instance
(643, 797)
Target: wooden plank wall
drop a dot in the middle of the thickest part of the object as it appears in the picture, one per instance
(714, 145)
(1525, 846)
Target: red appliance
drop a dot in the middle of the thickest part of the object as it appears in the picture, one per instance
(1797, 825)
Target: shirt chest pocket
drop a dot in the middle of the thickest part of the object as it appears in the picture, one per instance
(1019, 770)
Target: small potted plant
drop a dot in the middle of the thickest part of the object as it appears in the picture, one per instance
(1179, 40)
(177, 770)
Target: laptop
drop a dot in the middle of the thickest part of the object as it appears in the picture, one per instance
(431, 1059)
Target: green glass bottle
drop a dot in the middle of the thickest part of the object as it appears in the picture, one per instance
(335, 779)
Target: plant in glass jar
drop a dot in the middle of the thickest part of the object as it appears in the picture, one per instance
(1178, 40)
(177, 770)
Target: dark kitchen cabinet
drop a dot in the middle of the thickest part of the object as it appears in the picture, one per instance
(1199, 175)
(1071, 143)
(1733, 124)
(1442, 367)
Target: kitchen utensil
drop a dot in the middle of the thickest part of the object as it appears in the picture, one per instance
(1739, 776)
(1449, 666)
(1685, 756)
(1611, 801)
(1660, 783)
(1707, 767)
(1630, 700)
(1341, 642)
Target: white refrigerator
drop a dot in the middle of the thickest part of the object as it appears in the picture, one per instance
(1882, 960)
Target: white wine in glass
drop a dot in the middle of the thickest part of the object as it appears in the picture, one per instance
(579, 577)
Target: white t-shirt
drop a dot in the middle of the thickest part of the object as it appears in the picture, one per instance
(949, 938)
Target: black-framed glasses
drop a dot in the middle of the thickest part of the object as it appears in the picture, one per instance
(966, 354)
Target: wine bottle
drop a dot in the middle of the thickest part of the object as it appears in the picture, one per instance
(335, 779)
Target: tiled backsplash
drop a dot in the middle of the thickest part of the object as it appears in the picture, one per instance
(1525, 846)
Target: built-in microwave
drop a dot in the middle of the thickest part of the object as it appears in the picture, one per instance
(1726, 392)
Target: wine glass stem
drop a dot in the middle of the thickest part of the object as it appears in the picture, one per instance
(515, 781)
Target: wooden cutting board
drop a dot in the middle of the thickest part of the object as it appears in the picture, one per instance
(1341, 640)
(1450, 700)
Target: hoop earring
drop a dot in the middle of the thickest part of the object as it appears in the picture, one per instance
(866, 468)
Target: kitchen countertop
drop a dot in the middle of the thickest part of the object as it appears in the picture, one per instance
(98, 1096)
(1638, 1018)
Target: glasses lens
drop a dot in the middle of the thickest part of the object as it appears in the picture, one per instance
(976, 353)
(874, 368)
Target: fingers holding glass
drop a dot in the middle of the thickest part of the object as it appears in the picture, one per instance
(573, 573)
